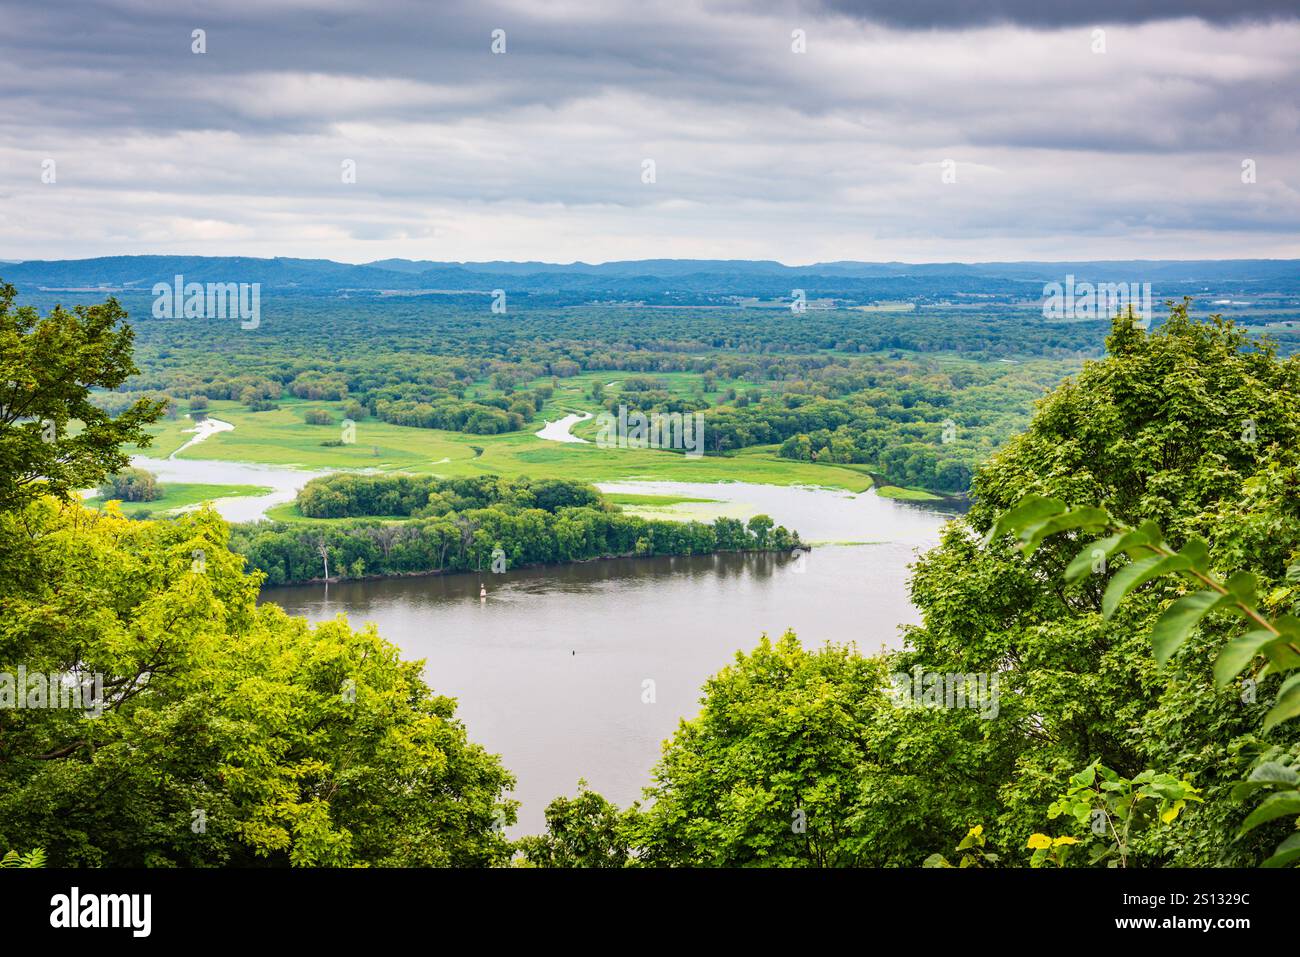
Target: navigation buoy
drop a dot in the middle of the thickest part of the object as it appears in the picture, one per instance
(482, 592)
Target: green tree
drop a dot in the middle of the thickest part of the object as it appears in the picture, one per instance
(230, 733)
(52, 437)
(759, 526)
(1191, 425)
(771, 770)
(582, 831)
(131, 485)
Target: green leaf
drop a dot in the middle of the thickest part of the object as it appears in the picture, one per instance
(1082, 563)
(1030, 509)
(1177, 621)
(1197, 554)
(1281, 804)
(1243, 586)
(1137, 573)
(1148, 533)
(1287, 852)
(1283, 657)
(1274, 773)
(974, 837)
(1287, 705)
(1238, 653)
(1032, 536)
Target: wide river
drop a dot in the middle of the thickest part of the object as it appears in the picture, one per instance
(553, 670)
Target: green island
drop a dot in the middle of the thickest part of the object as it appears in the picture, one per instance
(398, 524)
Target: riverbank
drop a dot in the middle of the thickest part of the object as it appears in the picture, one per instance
(282, 438)
(487, 575)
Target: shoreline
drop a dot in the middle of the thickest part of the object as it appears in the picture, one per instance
(439, 573)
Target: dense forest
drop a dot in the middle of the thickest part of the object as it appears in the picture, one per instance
(918, 398)
(917, 392)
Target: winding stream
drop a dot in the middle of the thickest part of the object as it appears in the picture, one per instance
(284, 483)
(558, 431)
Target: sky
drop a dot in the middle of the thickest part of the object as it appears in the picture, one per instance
(794, 130)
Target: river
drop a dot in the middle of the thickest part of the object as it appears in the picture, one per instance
(551, 669)
(283, 482)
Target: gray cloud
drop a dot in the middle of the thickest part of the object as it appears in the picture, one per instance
(760, 152)
(1050, 14)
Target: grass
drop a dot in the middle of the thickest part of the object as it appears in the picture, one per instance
(630, 498)
(178, 495)
(693, 511)
(281, 437)
(907, 494)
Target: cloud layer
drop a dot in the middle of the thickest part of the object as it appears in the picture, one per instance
(928, 134)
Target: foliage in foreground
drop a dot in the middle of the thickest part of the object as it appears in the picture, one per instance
(1150, 557)
(231, 734)
(204, 730)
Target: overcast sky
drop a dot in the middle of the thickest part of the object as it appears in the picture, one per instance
(759, 152)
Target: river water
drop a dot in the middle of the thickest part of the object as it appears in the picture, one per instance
(283, 482)
(558, 431)
(582, 671)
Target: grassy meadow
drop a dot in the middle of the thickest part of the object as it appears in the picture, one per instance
(282, 437)
(177, 496)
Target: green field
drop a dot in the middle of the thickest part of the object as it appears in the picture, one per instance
(631, 498)
(281, 437)
(907, 494)
(177, 496)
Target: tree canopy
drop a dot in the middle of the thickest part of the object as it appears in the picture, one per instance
(52, 437)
